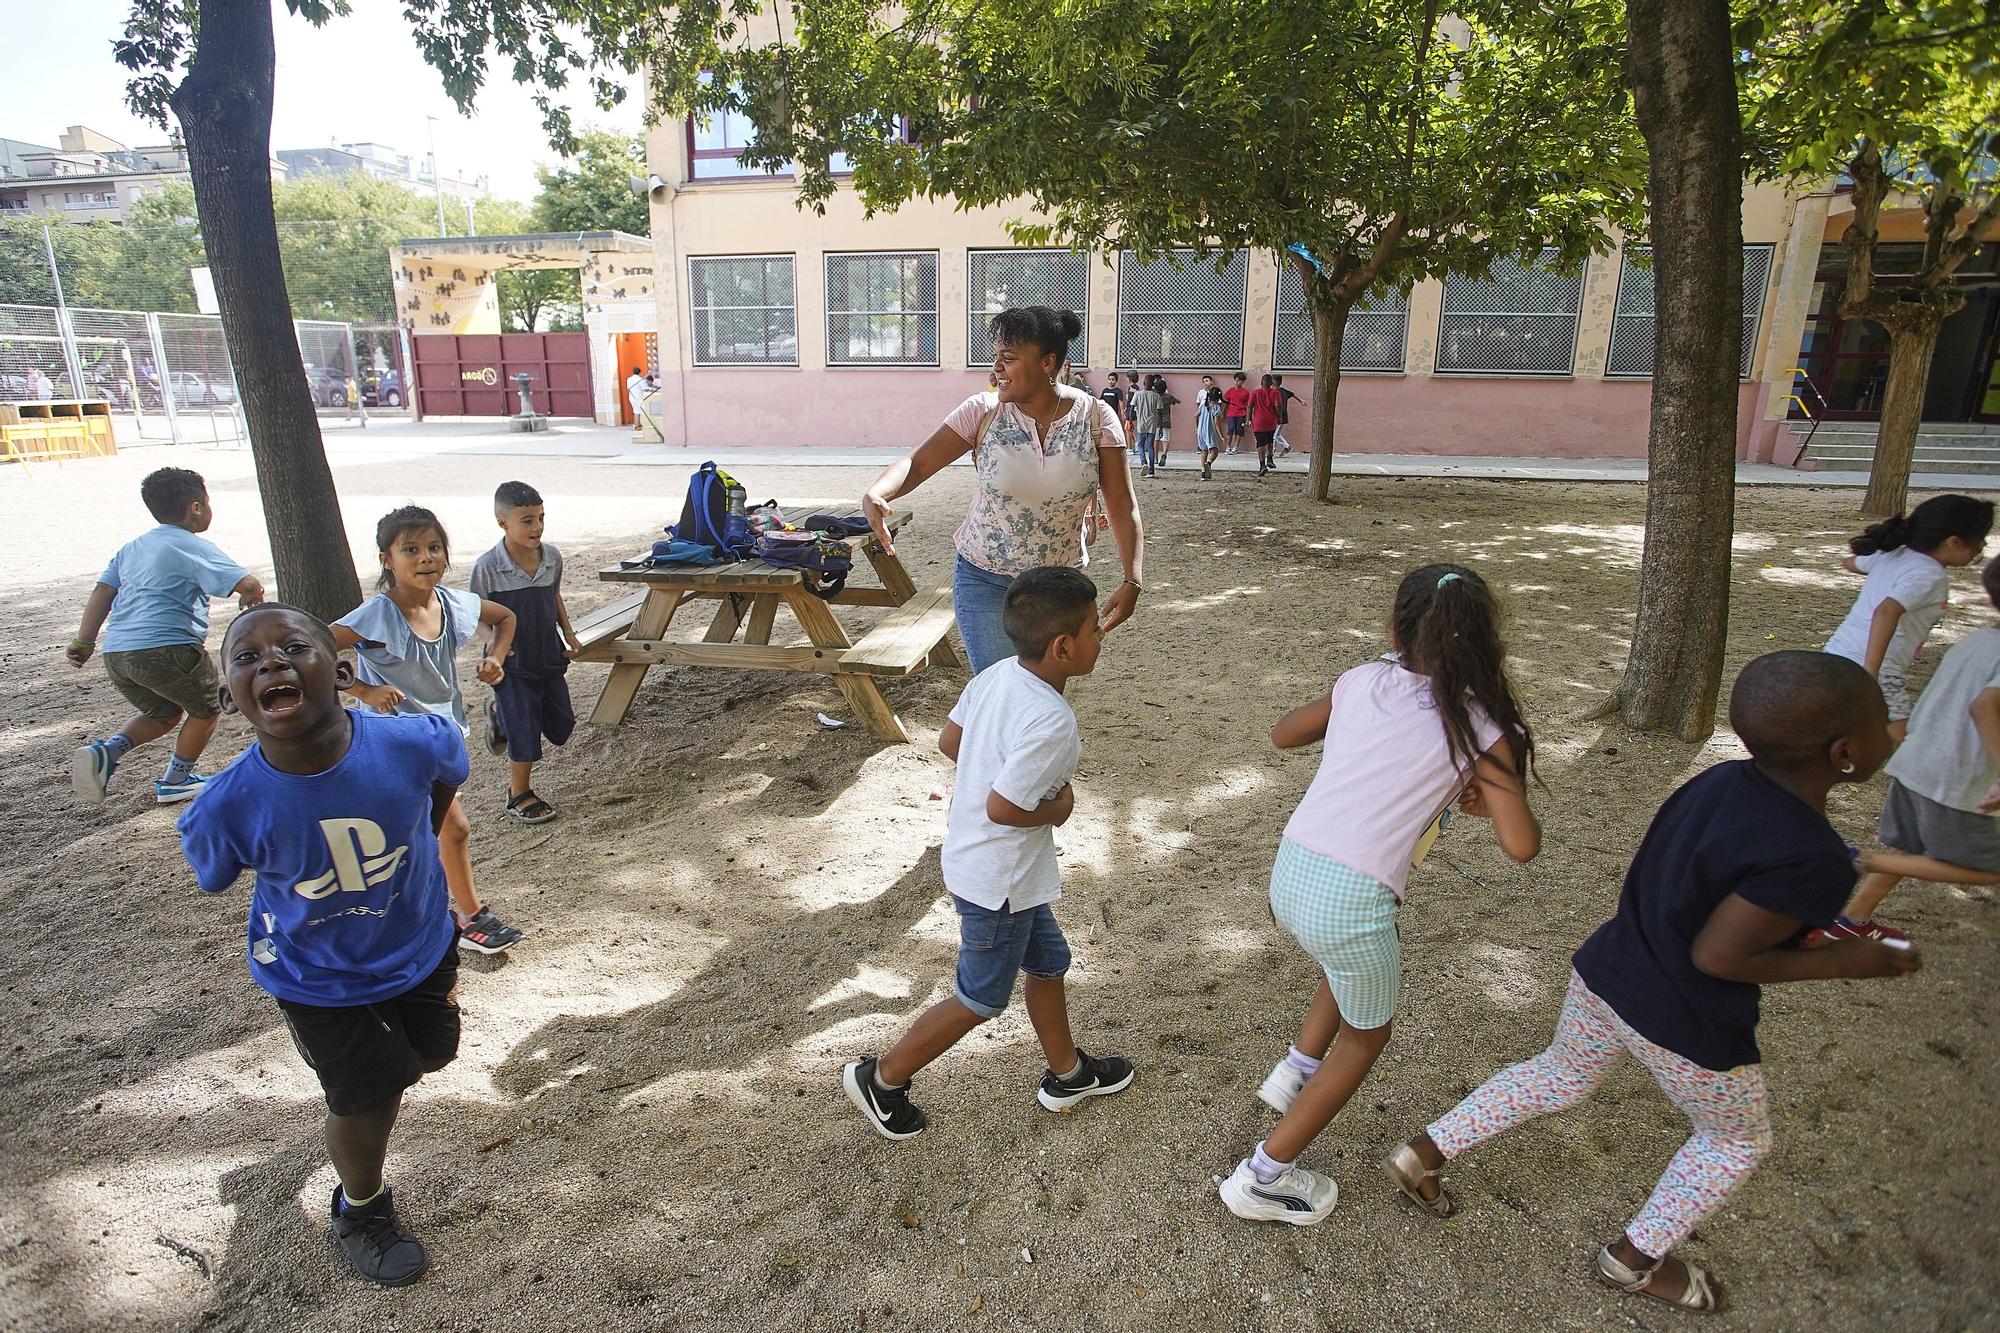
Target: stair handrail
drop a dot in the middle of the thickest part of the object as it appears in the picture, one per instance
(1802, 377)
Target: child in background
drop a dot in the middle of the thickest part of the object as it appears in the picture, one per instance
(1015, 742)
(336, 813)
(1146, 406)
(1236, 409)
(531, 701)
(1905, 560)
(1132, 412)
(1115, 396)
(407, 638)
(1166, 436)
(1285, 400)
(1208, 425)
(1944, 786)
(1433, 722)
(1736, 866)
(156, 591)
(1264, 405)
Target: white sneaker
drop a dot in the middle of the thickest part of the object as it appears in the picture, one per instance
(1282, 1087)
(1299, 1197)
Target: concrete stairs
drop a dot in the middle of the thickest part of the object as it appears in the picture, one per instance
(1957, 447)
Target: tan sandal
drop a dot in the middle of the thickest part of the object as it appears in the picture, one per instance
(1408, 1171)
(1703, 1295)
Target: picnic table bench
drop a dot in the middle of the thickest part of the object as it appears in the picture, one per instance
(631, 633)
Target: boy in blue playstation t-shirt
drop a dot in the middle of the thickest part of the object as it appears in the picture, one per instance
(336, 812)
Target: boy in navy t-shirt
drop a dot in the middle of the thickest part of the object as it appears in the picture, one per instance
(531, 703)
(336, 812)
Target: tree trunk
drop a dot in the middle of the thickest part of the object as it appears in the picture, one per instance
(1684, 91)
(1329, 327)
(224, 108)
(1911, 347)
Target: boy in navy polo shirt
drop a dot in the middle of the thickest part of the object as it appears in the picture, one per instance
(156, 591)
(336, 811)
(524, 574)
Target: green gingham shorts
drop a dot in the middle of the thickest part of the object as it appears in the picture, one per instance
(1347, 921)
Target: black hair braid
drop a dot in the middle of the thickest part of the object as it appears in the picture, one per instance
(1448, 626)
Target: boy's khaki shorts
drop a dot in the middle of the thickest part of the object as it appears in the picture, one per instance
(162, 683)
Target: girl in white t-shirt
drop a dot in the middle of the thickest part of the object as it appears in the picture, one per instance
(1406, 736)
(1905, 559)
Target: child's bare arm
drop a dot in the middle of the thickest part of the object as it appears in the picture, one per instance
(1849, 565)
(948, 740)
(1881, 629)
(1497, 793)
(1742, 942)
(1304, 725)
(248, 591)
(493, 667)
(344, 637)
(568, 631)
(1052, 813)
(94, 612)
(441, 796)
(1985, 713)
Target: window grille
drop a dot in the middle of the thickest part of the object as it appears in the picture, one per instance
(1632, 353)
(1519, 321)
(743, 310)
(1179, 313)
(1377, 328)
(997, 280)
(882, 310)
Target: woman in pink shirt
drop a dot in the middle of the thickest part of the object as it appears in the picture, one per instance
(1434, 722)
(1042, 452)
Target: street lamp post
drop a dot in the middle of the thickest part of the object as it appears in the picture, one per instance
(437, 180)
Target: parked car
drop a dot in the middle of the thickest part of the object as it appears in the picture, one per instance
(192, 390)
(383, 390)
(329, 387)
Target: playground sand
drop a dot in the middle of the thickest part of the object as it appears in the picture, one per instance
(645, 1127)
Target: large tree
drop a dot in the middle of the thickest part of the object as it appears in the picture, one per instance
(211, 65)
(1904, 97)
(591, 190)
(1372, 143)
(1684, 88)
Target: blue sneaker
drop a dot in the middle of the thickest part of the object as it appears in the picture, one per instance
(171, 793)
(90, 771)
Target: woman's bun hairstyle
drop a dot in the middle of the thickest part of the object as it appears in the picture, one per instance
(1048, 330)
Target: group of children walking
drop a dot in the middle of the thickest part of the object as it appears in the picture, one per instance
(1222, 416)
(352, 823)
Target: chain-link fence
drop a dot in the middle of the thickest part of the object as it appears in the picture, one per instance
(168, 377)
(1377, 329)
(1631, 351)
(997, 280)
(1519, 320)
(1180, 312)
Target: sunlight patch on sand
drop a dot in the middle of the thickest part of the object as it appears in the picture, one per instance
(1205, 603)
(1510, 978)
(865, 1032)
(867, 980)
(1793, 577)
(263, 1068)
(1229, 939)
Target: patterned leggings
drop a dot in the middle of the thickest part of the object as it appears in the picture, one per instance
(1729, 1108)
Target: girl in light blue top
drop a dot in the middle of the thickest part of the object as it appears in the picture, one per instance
(407, 637)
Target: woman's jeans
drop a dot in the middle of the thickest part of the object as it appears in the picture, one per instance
(977, 599)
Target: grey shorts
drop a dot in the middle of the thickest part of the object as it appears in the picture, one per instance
(162, 683)
(1913, 823)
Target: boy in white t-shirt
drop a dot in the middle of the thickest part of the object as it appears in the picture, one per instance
(1015, 742)
(1905, 559)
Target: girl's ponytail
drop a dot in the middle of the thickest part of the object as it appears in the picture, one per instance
(1929, 526)
(1448, 626)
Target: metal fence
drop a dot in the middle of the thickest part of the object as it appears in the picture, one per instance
(1180, 312)
(1520, 320)
(1377, 329)
(1631, 351)
(169, 376)
(997, 280)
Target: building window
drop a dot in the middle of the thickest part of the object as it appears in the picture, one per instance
(1519, 321)
(1377, 328)
(714, 143)
(743, 311)
(997, 280)
(1179, 313)
(882, 309)
(1632, 325)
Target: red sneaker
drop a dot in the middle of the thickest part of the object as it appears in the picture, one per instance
(1845, 929)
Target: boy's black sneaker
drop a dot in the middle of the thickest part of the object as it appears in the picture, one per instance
(890, 1111)
(1095, 1078)
(373, 1239)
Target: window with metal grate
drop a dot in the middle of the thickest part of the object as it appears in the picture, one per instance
(1377, 329)
(743, 311)
(882, 309)
(1521, 320)
(1631, 352)
(997, 280)
(1179, 313)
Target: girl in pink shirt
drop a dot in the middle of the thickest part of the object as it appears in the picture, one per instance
(1434, 722)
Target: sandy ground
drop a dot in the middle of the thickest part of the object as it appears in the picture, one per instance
(645, 1128)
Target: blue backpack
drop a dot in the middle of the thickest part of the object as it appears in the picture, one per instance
(709, 518)
(825, 564)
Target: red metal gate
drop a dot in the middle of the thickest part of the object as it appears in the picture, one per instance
(471, 374)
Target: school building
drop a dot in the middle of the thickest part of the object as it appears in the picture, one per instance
(778, 326)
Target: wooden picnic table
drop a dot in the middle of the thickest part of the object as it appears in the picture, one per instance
(632, 632)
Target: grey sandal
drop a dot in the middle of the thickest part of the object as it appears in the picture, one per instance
(1408, 1171)
(1702, 1295)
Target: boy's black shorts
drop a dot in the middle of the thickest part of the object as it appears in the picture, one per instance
(366, 1054)
(531, 708)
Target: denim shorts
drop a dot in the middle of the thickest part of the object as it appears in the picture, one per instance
(994, 944)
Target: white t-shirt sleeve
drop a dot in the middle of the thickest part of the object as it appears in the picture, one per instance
(1040, 762)
(1917, 585)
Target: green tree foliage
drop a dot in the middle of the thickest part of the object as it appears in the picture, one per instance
(1392, 143)
(1904, 97)
(83, 251)
(592, 191)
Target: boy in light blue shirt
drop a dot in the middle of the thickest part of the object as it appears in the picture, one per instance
(156, 591)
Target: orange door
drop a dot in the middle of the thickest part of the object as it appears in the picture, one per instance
(631, 357)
